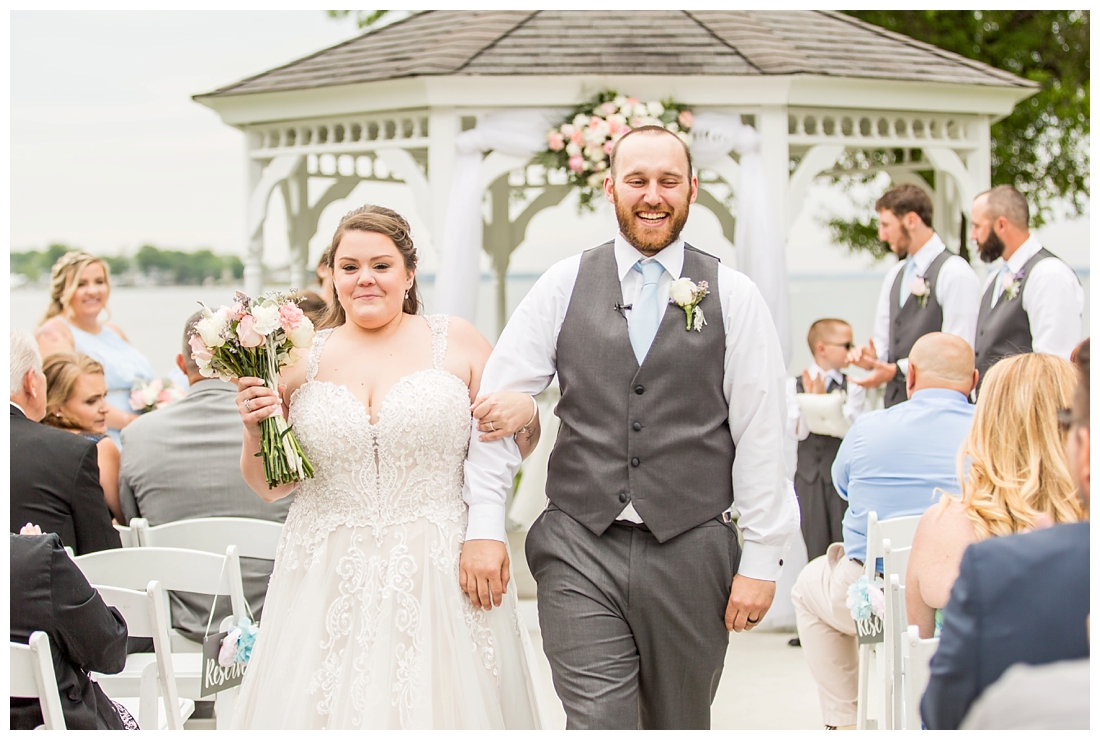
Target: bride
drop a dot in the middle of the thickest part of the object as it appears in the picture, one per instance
(365, 624)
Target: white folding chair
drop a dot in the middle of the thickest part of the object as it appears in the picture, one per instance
(254, 538)
(32, 677)
(899, 531)
(894, 629)
(179, 570)
(917, 655)
(128, 535)
(141, 691)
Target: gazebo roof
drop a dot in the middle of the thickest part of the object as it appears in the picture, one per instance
(621, 42)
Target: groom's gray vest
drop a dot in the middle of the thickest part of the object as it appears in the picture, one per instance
(656, 435)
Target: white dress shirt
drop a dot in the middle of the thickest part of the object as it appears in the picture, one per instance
(852, 408)
(957, 291)
(525, 358)
(1053, 299)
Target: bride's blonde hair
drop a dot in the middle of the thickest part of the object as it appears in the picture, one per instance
(1013, 464)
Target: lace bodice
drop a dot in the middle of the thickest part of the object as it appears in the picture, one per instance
(407, 465)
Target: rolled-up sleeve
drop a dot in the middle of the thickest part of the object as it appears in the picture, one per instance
(754, 387)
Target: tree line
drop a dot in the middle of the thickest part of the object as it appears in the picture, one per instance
(148, 265)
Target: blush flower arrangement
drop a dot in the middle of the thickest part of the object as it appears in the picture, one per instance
(582, 143)
(156, 394)
(687, 295)
(919, 288)
(1010, 284)
(256, 337)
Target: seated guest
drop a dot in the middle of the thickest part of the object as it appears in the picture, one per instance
(1014, 474)
(49, 594)
(1017, 599)
(892, 461)
(54, 474)
(184, 462)
(76, 401)
(822, 508)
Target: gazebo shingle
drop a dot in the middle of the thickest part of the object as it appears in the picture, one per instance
(661, 42)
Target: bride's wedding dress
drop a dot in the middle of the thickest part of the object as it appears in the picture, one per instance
(364, 625)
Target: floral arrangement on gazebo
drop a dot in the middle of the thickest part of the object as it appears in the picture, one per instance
(581, 144)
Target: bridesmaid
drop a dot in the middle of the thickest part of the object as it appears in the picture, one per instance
(79, 288)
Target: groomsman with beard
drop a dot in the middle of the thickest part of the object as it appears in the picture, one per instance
(1032, 301)
(929, 290)
(639, 569)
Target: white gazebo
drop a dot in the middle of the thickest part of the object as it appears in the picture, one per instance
(447, 102)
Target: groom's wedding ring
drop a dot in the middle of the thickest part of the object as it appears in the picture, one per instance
(751, 621)
(246, 405)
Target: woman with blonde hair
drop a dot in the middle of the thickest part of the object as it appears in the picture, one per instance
(76, 395)
(80, 285)
(1015, 477)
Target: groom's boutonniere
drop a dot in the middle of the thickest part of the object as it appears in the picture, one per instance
(1011, 284)
(687, 295)
(919, 288)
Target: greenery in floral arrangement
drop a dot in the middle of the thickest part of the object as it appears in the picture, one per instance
(581, 144)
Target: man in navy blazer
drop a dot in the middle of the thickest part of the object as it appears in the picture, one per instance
(1018, 599)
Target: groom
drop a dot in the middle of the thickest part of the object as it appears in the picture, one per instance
(640, 575)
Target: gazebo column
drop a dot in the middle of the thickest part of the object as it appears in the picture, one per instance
(771, 124)
(443, 127)
(254, 258)
(302, 218)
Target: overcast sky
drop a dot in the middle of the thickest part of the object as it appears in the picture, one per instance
(109, 151)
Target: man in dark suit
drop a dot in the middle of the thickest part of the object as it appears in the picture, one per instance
(51, 595)
(54, 474)
(1018, 599)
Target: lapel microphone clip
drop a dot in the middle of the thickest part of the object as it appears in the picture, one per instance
(621, 308)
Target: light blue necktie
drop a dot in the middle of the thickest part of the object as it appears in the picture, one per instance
(906, 281)
(644, 315)
(998, 289)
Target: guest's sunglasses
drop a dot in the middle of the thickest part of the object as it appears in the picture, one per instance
(1065, 419)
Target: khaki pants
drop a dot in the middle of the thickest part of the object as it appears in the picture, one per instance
(828, 632)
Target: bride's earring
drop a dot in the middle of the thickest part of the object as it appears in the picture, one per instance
(406, 295)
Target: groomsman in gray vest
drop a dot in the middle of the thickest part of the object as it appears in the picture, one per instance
(1032, 300)
(929, 289)
(640, 573)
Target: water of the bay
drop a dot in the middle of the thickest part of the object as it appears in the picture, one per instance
(153, 317)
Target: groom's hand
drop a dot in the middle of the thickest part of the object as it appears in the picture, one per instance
(749, 601)
(483, 572)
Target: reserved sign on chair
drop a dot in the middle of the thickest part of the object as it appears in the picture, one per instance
(869, 631)
(216, 677)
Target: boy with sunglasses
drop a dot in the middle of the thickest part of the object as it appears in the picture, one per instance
(821, 405)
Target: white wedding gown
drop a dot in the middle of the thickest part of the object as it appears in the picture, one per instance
(364, 625)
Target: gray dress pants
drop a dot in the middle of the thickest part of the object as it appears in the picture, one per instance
(634, 629)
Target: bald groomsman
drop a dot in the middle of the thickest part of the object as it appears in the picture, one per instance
(929, 290)
(1032, 301)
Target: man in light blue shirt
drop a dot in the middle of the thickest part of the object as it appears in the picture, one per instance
(894, 462)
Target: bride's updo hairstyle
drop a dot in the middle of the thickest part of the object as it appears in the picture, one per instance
(379, 220)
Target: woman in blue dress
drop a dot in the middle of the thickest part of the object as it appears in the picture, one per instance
(79, 288)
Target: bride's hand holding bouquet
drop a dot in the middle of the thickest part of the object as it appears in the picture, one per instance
(249, 342)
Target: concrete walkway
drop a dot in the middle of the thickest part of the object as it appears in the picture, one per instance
(765, 686)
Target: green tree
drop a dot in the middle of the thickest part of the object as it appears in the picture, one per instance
(1041, 148)
(363, 18)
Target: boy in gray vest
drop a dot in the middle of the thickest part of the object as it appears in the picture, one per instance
(639, 568)
(832, 404)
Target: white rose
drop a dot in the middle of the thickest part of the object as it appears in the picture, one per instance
(572, 149)
(267, 319)
(580, 120)
(302, 337)
(682, 291)
(210, 329)
(641, 109)
(655, 109)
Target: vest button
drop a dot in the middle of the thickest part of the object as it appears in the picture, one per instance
(637, 426)
(623, 498)
(635, 462)
(639, 389)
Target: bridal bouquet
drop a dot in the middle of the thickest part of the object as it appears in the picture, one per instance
(581, 145)
(256, 337)
(156, 394)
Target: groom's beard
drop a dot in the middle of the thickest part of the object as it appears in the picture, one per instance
(992, 248)
(649, 241)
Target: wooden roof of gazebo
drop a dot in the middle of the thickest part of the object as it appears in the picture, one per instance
(662, 42)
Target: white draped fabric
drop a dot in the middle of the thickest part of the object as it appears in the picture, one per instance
(522, 133)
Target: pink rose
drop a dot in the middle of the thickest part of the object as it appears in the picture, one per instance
(607, 109)
(686, 119)
(198, 349)
(608, 146)
(576, 163)
(246, 332)
(290, 316)
(614, 127)
(164, 398)
(235, 311)
(137, 399)
(577, 137)
(594, 121)
(631, 101)
(556, 141)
